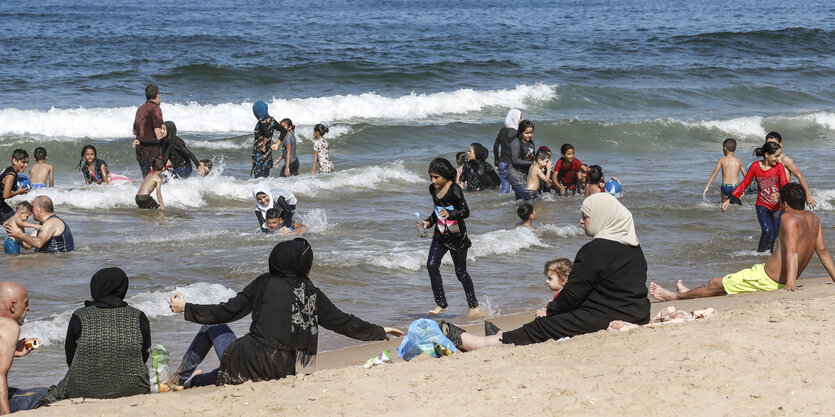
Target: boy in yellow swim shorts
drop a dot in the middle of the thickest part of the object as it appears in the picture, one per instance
(799, 238)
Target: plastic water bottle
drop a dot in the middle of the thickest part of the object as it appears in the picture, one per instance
(419, 226)
(159, 368)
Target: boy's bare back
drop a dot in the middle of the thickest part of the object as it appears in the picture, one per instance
(731, 167)
(151, 182)
(535, 174)
(40, 173)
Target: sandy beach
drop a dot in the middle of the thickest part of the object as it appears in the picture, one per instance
(763, 354)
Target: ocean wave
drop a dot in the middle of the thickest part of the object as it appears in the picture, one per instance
(193, 192)
(153, 304)
(825, 199)
(738, 127)
(117, 122)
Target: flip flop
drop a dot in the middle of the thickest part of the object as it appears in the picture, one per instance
(453, 333)
(490, 329)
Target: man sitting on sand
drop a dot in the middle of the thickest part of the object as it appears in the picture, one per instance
(800, 236)
(14, 303)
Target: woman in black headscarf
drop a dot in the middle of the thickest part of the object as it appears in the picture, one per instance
(478, 174)
(292, 309)
(174, 149)
(107, 344)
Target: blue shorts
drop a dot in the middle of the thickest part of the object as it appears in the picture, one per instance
(11, 247)
(529, 195)
(36, 185)
(728, 189)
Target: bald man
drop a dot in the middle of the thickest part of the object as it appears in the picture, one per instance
(54, 236)
(14, 303)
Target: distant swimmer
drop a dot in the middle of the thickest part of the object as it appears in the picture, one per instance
(450, 234)
(477, 174)
(53, 236)
(8, 182)
(175, 151)
(92, 168)
(566, 170)
(799, 238)
(204, 167)
(288, 154)
(275, 224)
(527, 214)
(152, 181)
(41, 174)
(539, 173)
(731, 167)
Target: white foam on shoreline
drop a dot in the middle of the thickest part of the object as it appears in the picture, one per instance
(153, 304)
(117, 122)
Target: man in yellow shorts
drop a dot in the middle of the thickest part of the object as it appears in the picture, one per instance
(799, 238)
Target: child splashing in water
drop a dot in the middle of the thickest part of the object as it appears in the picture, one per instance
(93, 168)
(450, 234)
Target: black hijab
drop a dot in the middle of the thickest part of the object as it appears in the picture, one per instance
(108, 288)
(295, 323)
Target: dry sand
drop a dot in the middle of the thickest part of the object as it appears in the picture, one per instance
(764, 354)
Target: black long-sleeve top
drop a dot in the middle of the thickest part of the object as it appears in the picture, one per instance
(74, 332)
(454, 198)
(607, 282)
(501, 148)
(521, 159)
(330, 316)
(178, 153)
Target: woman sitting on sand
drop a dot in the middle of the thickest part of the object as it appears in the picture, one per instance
(607, 283)
(287, 310)
(107, 344)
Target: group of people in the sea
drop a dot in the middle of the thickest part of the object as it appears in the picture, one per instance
(107, 340)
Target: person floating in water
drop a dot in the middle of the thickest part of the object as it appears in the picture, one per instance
(800, 236)
(450, 234)
(276, 224)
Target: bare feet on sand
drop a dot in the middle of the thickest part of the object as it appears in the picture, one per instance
(680, 287)
(661, 294)
(475, 313)
(437, 310)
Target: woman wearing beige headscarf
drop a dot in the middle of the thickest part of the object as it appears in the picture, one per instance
(607, 283)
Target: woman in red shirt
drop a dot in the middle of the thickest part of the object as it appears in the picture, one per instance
(770, 176)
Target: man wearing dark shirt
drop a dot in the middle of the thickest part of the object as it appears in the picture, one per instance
(147, 127)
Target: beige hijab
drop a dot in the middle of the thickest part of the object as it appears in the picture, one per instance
(609, 219)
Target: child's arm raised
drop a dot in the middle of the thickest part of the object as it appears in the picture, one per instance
(712, 177)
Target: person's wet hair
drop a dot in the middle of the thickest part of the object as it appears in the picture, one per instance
(774, 135)
(729, 144)
(289, 123)
(523, 126)
(207, 163)
(524, 211)
(321, 128)
(542, 154)
(461, 158)
(83, 161)
(794, 195)
(151, 91)
(768, 148)
(273, 213)
(595, 174)
(20, 154)
(24, 205)
(40, 153)
(158, 164)
(442, 167)
(565, 147)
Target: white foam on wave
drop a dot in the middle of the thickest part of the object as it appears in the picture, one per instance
(117, 122)
(193, 192)
(408, 256)
(825, 119)
(825, 199)
(153, 304)
(740, 127)
(559, 231)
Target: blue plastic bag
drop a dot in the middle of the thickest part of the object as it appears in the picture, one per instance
(422, 336)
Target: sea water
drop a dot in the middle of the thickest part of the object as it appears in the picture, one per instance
(647, 89)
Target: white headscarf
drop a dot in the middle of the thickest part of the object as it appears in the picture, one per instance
(609, 219)
(262, 188)
(514, 116)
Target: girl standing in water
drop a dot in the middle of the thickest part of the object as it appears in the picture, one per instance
(262, 156)
(321, 153)
(450, 233)
(522, 150)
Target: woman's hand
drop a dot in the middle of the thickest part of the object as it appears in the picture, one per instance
(135, 142)
(177, 302)
(275, 146)
(442, 213)
(392, 331)
(542, 312)
(425, 224)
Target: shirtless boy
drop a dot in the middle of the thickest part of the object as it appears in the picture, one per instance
(152, 180)
(800, 236)
(41, 173)
(539, 171)
(731, 167)
(791, 168)
(274, 224)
